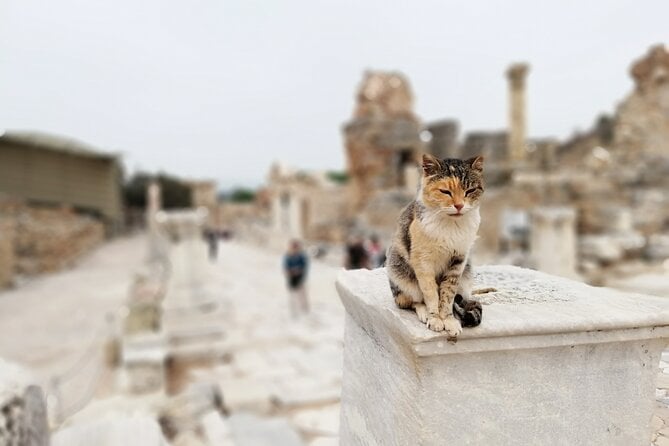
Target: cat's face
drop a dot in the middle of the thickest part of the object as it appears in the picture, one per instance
(453, 186)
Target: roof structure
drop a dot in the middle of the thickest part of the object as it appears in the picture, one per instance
(57, 143)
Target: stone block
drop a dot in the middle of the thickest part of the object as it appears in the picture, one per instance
(143, 360)
(23, 415)
(553, 359)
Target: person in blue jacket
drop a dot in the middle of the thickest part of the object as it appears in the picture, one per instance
(295, 267)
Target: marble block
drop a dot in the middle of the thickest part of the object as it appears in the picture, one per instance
(143, 359)
(553, 362)
(23, 412)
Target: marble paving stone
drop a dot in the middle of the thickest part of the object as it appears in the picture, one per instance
(323, 421)
(250, 430)
(247, 394)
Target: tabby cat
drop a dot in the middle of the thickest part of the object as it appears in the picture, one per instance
(428, 260)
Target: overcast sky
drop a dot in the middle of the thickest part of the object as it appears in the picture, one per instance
(219, 89)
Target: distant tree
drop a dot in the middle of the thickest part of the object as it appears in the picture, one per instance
(242, 195)
(340, 177)
(174, 192)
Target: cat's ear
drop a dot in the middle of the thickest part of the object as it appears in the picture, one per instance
(476, 163)
(431, 165)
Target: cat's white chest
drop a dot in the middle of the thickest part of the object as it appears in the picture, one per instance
(453, 234)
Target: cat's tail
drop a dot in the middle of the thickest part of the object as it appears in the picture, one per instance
(484, 290)
(469, 311)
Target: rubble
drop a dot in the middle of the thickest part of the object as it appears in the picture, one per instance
(46, 239)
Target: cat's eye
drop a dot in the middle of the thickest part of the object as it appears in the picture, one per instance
(447, 192)
(471, 191)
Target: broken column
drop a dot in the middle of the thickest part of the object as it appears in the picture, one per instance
(554, 361)
(516, 75)
(553, 240)
(157, 247)
(188, 256)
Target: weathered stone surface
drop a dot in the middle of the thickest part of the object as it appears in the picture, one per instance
(216, 429)
(184, 412)
(383, 138)
(23, 417)
(642, 123)
(6, 253)
(602, 339)
(143, 360)
(321, 422)
(249, 430)
(553, 240)
(248, 394)
(119, 431)
(48, 239)
(662, 381)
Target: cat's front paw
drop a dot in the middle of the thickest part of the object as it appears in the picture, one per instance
(421, 312)
(434, 323)
(452, 326)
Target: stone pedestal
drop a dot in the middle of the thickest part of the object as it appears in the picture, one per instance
(553, 240)
(188, 257)
(143, 360)
(554, 362)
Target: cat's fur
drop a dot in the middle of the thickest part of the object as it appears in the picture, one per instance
(428, 260)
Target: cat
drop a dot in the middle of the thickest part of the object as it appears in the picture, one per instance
(428, 261)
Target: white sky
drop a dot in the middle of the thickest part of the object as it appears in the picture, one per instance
(219, 89)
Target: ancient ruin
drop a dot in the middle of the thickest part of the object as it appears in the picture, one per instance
(516, 75)
(382, 139)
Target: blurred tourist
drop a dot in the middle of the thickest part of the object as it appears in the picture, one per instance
(211, 236)
(356, 254)
(376, 252)
(295, 266)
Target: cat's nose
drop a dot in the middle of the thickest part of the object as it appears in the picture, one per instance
(458, 206)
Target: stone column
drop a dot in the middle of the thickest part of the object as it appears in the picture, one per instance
(554, 362)
(188, 258)
(153, 206)
(516, 75)
(553, 240)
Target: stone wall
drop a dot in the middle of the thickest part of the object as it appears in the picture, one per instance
(44, 239)
(642, 123)
(6, 253)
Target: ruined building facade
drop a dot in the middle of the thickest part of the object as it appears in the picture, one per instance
(382, 139)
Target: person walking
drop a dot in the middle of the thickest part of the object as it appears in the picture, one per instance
(295, 267)
(376, 252)
(356, 254)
